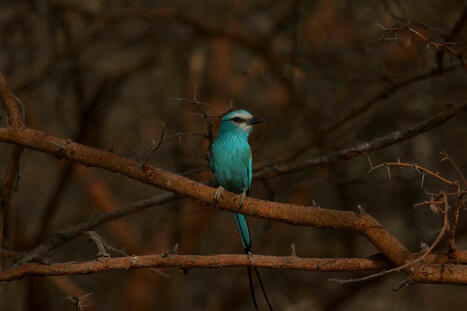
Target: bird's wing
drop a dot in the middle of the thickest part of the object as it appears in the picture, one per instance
(211, 163)
(250, 174)
(211, 158)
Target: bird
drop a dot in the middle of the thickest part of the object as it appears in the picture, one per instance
(230, 159)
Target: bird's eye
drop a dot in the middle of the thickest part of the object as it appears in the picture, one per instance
(236, 119)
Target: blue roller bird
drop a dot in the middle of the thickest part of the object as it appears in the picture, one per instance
(230, 160)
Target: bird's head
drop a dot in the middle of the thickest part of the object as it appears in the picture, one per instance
(238, 121)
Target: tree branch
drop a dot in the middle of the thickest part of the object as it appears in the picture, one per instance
(66, 235)
(378, 143)
(288, 213)
(317, 217)
(363, 107)
(385, 93)
(15, 111)
(15, 120)
(435, 262)
(187, 262)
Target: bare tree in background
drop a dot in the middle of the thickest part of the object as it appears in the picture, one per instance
(108, 112)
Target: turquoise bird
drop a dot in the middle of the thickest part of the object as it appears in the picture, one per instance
(231, 165)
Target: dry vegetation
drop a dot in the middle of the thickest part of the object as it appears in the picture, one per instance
(108, 111)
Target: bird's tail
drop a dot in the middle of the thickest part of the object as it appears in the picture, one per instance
(246, 242)
(252, 289)
(262, 288)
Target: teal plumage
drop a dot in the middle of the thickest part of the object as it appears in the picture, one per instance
(231, 162)
(231, 165)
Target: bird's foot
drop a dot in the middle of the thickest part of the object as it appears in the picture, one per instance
(218, 194)
(241, 197)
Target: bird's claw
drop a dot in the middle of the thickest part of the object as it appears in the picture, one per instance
(218, 194)
(242, 197)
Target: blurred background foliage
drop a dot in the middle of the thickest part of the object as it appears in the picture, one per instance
(107, 73)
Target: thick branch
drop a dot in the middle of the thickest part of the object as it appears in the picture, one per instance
(8, 184)
(287, 213)
(15, 120)
(187, 262)
(15, 112)
(364, 224)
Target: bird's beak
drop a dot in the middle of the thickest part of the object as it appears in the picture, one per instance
(254, 121)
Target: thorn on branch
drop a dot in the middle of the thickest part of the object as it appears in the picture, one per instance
(78, 302)
(14, 107)
(94, 237)
(439, 46)
(416, 167)
(123, 253)
(369, 161)
(420, 170)
(402, 284)
(175, 249)
(61, 147)
(204, 113)
(293, 253)
(155, 146)
(172, 252)
(180, 135)
(155, 271)
(373, 168)
(134, 261)
(409, 265)
(20, 104)
(448, 158)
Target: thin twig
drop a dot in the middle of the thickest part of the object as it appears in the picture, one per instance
(444, 229)
(123, 253)
(363, 148)
(78, 302)
(156, 146)
(64, 236)
(16, 118)
(448, 158)
(93, 236)
(445, 46)
(416, 167)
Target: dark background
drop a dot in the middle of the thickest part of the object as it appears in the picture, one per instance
(107, 73)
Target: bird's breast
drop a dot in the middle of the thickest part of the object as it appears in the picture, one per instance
(230, 163)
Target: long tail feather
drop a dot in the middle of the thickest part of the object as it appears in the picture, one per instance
(262, 288)
(242, 224)
(251, 288)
